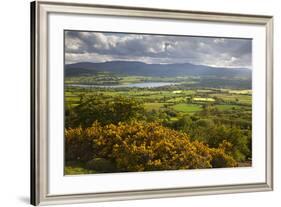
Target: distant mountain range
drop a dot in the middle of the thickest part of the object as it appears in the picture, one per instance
(161, 70)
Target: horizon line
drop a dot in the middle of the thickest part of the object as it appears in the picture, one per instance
(212, 66)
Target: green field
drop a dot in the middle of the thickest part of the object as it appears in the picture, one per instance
(153, 106)
(203, 99)
(187, 108)
(187, 101)
(71, 170)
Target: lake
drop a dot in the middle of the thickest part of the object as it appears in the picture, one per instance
(130, 85)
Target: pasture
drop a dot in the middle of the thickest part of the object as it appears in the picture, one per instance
(184, 101)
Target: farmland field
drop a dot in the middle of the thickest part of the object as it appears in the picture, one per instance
(188, 108)
(186, 101)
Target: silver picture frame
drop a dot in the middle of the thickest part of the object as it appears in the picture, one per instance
(39, 100)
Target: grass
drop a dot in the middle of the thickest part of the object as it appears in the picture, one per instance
(203, 99)
(177, 92)
(187, 108)
(176, 99)
(151, 106)
(72, 98)
(243, 92)
(189, 92)
(233, 97)
(70, 170)
(204, 90)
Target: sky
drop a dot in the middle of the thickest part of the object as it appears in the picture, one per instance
(83, 46)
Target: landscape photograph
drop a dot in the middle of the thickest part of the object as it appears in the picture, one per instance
(156, 102)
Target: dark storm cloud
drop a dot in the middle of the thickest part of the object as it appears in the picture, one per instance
(100, 47)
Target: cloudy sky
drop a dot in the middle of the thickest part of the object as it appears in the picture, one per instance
(101, 47)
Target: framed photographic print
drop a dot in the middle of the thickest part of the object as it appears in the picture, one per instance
(134, 103)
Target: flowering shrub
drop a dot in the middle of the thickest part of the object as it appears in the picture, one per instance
(141, 146)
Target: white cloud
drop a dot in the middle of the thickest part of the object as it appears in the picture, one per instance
(100, 47)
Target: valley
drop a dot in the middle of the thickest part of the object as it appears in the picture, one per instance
(209, 109)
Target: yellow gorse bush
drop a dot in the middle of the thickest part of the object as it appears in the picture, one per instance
(142, 146)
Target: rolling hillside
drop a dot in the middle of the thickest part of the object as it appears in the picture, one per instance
(143, 69)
